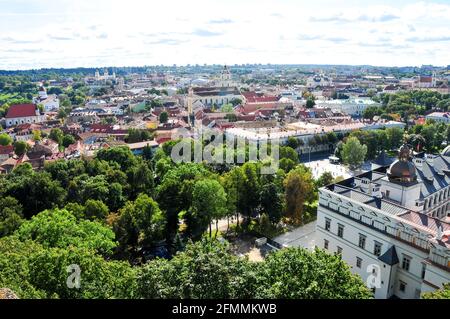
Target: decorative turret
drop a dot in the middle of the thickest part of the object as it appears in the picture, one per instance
(403, 170)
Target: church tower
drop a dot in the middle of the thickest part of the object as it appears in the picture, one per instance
(189, 102)
(225, 77)
(42, 93)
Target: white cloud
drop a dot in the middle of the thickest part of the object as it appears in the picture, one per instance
(69, 33)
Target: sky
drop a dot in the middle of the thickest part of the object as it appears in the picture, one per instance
(97, 33)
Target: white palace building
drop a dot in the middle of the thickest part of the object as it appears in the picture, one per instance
(392, 224)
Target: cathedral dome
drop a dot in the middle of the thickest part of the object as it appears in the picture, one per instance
(403, 170)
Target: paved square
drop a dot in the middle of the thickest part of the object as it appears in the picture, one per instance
(321, 166)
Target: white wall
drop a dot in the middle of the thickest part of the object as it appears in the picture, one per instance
(350, 250)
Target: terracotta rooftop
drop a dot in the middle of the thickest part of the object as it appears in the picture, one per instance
(21, 110)
(6, 149)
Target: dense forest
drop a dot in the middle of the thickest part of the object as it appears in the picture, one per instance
(106, 214)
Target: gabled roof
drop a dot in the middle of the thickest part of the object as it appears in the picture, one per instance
(389, 257)
(21, 110)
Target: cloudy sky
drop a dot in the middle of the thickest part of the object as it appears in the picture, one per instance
(82, 33)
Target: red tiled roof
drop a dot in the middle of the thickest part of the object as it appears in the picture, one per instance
(21, 110)
(263, 99)
(162, 140)
(249, 117)
(100, 128)
(249, 108)
(6, 149)
(426, 79)
(250, 94)
(253, 97)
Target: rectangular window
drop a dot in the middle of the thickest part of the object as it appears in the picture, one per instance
(377, 249)
(339, 250)
(325, 244)
(358, 262)
(406, 262)
(362, 241)
(327, 224)
(340, 230)
(402, 286)
(424, 268)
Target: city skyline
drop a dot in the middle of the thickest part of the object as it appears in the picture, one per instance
(45, 34)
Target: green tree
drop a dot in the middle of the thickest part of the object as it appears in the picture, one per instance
(231, 117)
(14, 266)
(37, 135)
(56, 135)
(232, 182)
(208, 202)
(20, 148)
(272, 201)
(296, 273)
(310, 103)
(249, 199)
(286, 164)
(443, 293)
(60, 228)
(5, 139)
(338, 150)
(163, 117)
(122, 155)
(205, 269)
(299, 189)
(141, 180)
(395, 137)
(236, 101)
(139, 224)
(68, 140)
(292, 142)
(372, 111)
(289, 153)
(35, 191)
(100, 279)
(353, 152)
(10, 215)
(382, 141)
(325, 179)
(95, 210)
(174, 193)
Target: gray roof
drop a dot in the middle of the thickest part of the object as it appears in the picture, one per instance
(374, 202)
(390, 256)
(431, 175)
(383, 159)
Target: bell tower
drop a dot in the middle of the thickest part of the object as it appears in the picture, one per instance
(189, 102)
(225, 77)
